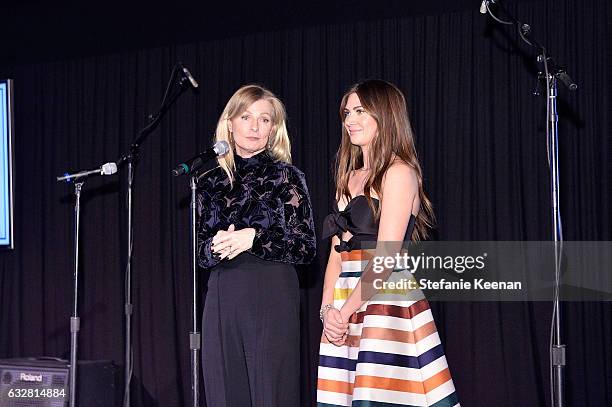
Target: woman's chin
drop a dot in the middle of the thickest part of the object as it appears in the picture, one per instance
(247, 151)
(357, 141)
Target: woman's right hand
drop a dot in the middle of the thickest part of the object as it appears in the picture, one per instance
(334, 328)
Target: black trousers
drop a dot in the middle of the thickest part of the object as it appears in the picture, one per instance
(250, 334)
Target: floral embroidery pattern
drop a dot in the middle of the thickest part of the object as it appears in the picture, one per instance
(267, 195)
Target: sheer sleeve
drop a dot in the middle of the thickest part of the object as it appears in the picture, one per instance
(291, 239)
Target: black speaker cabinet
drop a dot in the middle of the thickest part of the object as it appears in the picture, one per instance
(98, 384)
(45, 383)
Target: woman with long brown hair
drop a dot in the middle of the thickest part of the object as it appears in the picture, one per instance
(377, 349)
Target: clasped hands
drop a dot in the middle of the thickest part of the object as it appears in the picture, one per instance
(231, 242)
(335, 326)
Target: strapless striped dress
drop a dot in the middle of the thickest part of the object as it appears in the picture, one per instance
(393, 355)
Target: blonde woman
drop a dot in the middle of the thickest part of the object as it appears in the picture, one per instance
(255, 223)
(377, 350)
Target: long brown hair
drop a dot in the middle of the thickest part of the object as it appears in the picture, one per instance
(394, 141)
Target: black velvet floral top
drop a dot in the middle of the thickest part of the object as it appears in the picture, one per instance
(269, 196)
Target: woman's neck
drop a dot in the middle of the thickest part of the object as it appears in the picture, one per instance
(365, 157)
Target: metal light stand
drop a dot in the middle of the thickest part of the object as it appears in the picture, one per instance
(75, 321)
(131, 159)
(552, 72)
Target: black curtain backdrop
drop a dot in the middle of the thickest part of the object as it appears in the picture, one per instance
(480, 136)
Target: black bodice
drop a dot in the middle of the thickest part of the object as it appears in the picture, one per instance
(357, 218)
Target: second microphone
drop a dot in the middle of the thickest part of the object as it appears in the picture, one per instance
(187, 167)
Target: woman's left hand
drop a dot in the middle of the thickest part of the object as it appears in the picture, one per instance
(230, 243)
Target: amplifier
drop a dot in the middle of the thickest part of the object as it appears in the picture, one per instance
(45, 383)
(32, 382)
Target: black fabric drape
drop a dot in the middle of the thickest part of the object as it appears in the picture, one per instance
(480, 136)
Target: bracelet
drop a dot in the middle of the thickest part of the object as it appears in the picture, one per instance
(323, 310)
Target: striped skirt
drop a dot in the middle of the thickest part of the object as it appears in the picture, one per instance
(392, 356)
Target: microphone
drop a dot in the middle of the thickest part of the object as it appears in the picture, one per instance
(567, 81)
(106, 169)
(188, 75)
(483, 7)
(219, 149)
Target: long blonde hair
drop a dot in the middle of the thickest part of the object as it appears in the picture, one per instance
(394, 140)
(279, 147)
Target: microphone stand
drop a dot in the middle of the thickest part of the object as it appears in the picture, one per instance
(552, 72)
(131, 158)
(195, 340)
(75, 321)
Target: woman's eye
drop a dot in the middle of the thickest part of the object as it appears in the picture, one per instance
(266, 120)
(345, 113)
(360, 111)
(245, 117)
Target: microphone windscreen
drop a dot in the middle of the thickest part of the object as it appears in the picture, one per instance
(109, 169)
(483, 7)
(221, 147)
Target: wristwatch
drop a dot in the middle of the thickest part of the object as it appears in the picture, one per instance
(323, 310)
